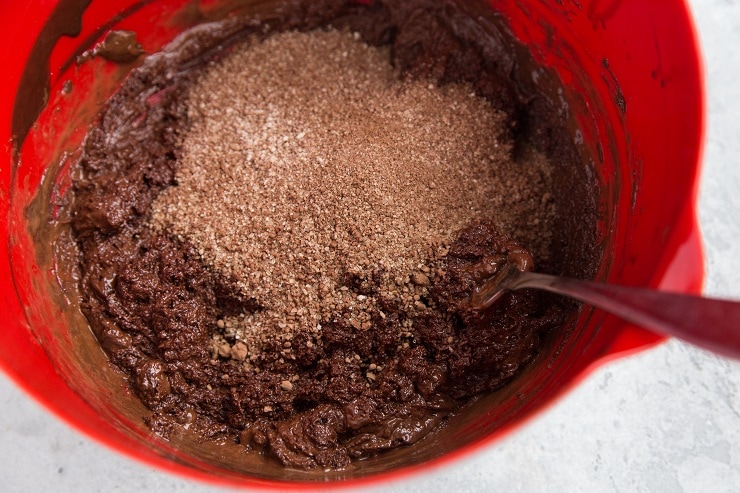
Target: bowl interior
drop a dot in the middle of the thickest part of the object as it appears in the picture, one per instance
(626, 78)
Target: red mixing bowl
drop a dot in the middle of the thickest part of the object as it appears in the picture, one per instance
(632, 80)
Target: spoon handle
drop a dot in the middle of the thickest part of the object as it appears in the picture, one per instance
(706, 322)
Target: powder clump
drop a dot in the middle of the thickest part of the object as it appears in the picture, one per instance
(311, 172)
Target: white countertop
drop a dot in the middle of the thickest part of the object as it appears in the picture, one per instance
(667, 420)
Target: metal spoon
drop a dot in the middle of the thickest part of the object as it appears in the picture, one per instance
(705, 322)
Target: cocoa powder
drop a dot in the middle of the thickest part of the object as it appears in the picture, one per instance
(310, 166)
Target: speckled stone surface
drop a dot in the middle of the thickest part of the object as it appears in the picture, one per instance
(667, 420)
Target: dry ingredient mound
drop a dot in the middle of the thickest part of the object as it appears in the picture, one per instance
(310, 167)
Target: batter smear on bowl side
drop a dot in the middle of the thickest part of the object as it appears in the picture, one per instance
(278, 238)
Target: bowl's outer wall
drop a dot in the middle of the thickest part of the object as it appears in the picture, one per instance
(642, 56)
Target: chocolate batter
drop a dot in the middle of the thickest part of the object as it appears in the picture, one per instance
(153, 305)
(118, 46)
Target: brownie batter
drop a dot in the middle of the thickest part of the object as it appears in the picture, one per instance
(118, 46)
(351, 392)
